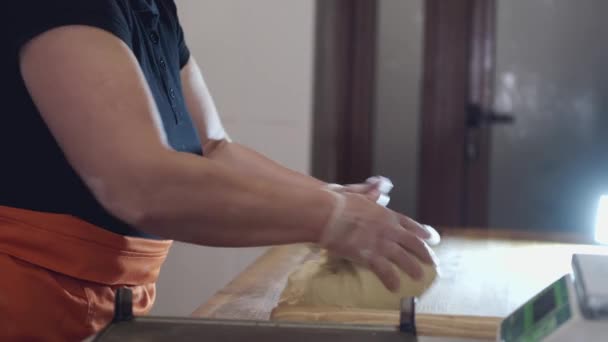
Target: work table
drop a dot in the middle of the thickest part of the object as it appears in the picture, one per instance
(483, 274)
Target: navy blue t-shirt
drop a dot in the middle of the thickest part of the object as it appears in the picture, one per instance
(34, 173)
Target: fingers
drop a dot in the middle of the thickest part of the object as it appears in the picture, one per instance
(375, 189)
(370, 191)
(404, 260)
(383, 200)
(435, 238)
(373, 195)
(423, 231)
(385, 272)
(384, 184)
(414, 245)
(375, 237)
(413, 226)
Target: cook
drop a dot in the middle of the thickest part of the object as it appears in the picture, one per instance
(112, 146)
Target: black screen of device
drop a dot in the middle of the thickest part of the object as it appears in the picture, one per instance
(544, 304)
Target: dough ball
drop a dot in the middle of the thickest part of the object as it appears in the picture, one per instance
(336, 282)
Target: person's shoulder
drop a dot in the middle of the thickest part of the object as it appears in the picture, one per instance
(30, 18)
(62, 6)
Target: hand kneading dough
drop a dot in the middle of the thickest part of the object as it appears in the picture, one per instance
(335, 282)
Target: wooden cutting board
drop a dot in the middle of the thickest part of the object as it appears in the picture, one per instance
(473, 327)
(485, 275)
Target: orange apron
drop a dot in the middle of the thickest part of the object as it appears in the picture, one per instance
(58, 275)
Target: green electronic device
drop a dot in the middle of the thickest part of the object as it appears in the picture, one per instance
(574, 308)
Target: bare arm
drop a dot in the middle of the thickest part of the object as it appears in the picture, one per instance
(94, 98)
(218, 146)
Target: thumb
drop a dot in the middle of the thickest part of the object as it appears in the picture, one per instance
(369, 190)
(384, 184)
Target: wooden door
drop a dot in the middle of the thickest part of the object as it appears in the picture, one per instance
(514, 115)
(465, 125)
(344, 90)
(344, 96)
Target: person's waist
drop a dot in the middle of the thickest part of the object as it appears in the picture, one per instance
(75, 201)
(68, 245)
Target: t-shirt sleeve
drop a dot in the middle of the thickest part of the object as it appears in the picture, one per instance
(30, 18)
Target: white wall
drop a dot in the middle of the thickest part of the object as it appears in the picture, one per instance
(257, 57)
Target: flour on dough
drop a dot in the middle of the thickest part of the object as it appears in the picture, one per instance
(335, 282)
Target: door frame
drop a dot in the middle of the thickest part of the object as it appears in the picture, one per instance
(459, 71)
(459, 57)
(344, 90)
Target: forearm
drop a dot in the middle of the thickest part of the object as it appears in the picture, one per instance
(202, 201)
(95, 101)
(253, 164)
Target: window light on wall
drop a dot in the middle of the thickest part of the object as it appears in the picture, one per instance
(601, 223)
